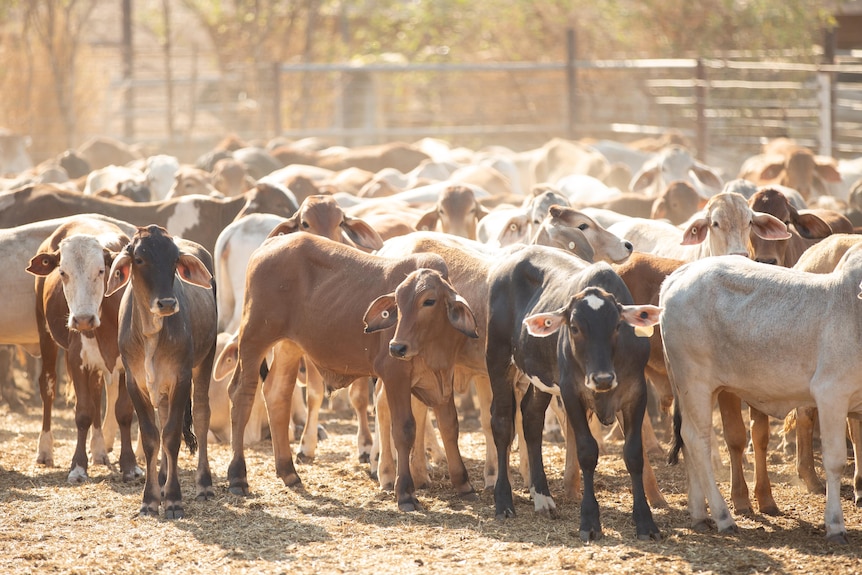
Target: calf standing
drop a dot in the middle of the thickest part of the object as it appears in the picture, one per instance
(594, 358)
(167, 339)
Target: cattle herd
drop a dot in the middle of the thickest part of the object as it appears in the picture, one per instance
(216, 301)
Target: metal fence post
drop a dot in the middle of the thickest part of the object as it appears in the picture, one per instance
(571, 82)
(276, 99)
(826, 94)
(700, 110)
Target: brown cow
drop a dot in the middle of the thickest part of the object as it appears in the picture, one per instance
(786, 163)
(72, 312)
(196, 218)
(677, 203)
(341, 282)
(456, 212)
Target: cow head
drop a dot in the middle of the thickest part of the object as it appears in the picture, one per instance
(592, 320)
(772, 201)
(728, 221)
(677, 203)
(321, 215)
(81, 262)
(153, 259)
(457, 212)
(560, 224)
(425, 308)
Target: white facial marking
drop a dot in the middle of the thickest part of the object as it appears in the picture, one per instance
(595, 302)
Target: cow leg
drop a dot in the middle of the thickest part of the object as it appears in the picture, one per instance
(109, 422)
(172, 413)
(855, 428)
(403, 436)
(736, 438)
(633, 412)
(98, 452)
(483, 392)
(805, 417)
(47, 391)
(533, 408)
(447, 422)
(313, 400)
(653, 493)
(502, 376)
(572, 473)
(150, 440)
(8, 389)
(278, 392)
(124, 412)
(698, 435)
(242, 391)
(358, 395)
(418, 458)
(834, 447)
(588, 457)
(523, 461)
(83, 415)
(760, 440)
(383, 466)
(201, 418)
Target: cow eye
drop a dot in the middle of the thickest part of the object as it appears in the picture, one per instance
(429, 302)
(513, 227)
(305, 225)
(139, 261)
(62, 273)
(582, 227)
(715, 224)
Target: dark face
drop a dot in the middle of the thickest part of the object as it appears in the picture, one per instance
(594, 323)
(154, 258)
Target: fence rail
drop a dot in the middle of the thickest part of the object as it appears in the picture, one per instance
(716, 102)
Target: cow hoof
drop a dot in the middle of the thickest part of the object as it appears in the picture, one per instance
(702, 526)
(365, 458)
(174, 511)
(469, 495)
(410, 505)
(770, 510)
(653, 536)
(838, 538)
(45, 460)
(730, 529)
(205, 494)
(591, 535)
(292, 480)
(505, 514)
(77, 476)
(101, 459)
(133, 474)
(303, 458)
(240, 490)
(147, 511)
(859, 502)
(321, 433)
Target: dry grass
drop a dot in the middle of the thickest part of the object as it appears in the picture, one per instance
(342, 523)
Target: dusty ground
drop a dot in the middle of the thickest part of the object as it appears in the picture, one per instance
(342, 523)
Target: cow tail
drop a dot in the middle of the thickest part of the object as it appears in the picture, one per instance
(673, 457)
(188, 434)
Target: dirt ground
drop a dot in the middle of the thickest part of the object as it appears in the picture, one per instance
(341, 522)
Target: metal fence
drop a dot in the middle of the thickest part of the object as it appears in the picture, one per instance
(719, 104)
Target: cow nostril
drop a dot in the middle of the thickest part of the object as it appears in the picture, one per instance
(629, 246)
(397, 349)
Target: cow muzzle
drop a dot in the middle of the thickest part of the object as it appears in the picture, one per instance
(601, 381)
(165, 306)
(83, 322)
(400, 350)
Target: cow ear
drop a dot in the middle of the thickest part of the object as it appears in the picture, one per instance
(461, 316)
(481, 212)
(192, 271)
(361, 233)
(643, 179)
(225, 363)
(641, 317)
(706, 175)
(428, 222)
(659, 209)
(44, 263)
(695, 233)
(381, 314)
(769, 227)
(286, 227)
(810, 226)
(771, 171)
(545, 324)
(121, 271)
(825, 168)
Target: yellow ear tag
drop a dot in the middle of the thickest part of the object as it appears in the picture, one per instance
(644, 331)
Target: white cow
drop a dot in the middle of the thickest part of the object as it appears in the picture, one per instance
(722, 317)
(722, 228)
(675, 163)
